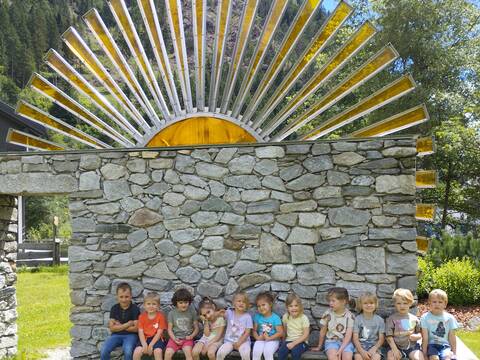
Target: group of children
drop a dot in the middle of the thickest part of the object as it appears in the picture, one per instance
(343, 336)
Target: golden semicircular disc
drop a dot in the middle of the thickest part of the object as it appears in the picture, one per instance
(199, 131)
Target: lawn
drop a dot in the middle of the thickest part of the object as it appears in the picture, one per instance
(43, 311)
(472, 340)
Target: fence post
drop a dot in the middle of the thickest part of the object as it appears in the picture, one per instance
(56, 243)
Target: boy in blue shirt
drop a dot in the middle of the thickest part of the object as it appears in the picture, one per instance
(122, 324)
(438, 329)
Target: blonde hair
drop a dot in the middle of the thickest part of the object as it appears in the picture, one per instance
(152, 296)
(244, 296)
(363, 298)
(438, 293)
(292, 297)
(403, 294)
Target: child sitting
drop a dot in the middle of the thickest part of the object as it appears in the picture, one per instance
(239, 325)
(402, 329)
(213, 327)
(151, 326)
(267, 328)
(297, 329)
(438, 328)
(337, 326)
(182, 325)
(122, 324)
(368, 329)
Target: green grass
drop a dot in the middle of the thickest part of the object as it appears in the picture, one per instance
(43, 310)
(471, 339)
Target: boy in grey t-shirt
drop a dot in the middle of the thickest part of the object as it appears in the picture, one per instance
(368, 329)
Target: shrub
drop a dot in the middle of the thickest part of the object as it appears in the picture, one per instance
(459, 278)
(450, 247)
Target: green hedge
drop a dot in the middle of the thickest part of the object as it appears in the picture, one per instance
(459, 278)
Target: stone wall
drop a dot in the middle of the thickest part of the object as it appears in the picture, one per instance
(293, 217)
(8, 255)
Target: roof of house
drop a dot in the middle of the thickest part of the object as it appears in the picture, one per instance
(8, 113)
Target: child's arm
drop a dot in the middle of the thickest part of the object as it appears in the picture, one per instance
(242, 339)
(321, 338)
(219, 335)
(206, 328)
(141, 336)
(157, 337)
(452, 339)
(358, 345)
(393, 347)
(171, 334)
(346, 339)
(278, 334)
(424, 341)
(378, 344)
(116, 326)
(133, 328)
(255, 334)
(195, 331)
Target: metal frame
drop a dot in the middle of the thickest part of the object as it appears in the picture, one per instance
(200, 49)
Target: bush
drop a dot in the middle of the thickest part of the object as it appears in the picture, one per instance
(459, 278)
(450, 247)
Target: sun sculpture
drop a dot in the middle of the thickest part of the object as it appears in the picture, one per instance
(136, 101)
(249, 92)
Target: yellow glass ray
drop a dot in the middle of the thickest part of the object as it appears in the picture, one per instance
(56, 62)
(30, 141)
(273, 19)
(327, 31)
(426, 179)
(382, 97)
(40, 117)
(124, 21)
(199, 131)
(199, 8)
(105, 39)
(425, 212)
(404, 120)
(223, 17)
(425, 146)
(149, 12)
(175, 18)
(423, 243)
(248, 16)
(44, 87)
(80, 49)
(289, 42)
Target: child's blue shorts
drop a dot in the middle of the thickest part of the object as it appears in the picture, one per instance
(440, 350)
(335, 344)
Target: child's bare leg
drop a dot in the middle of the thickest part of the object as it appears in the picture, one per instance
(197, 350)
(435, 357)
(416, 355)
(169, 354)
(347, 355)
(204, 349)
(137, 354)
(157, 354)
(187, 350)
(376, 356)
(390, 355)
(212, 350)
(357, 356)
(332, 354)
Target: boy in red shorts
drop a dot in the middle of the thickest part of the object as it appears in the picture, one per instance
(151, 328)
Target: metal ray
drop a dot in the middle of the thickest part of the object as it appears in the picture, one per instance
(199, 10)
(425, 212)
(67, 72)
(246, 22)
(299, 24)
(42, 86)
(78, 46)
(127, 28)
(224, 9)
(411, 117)
(380, 98)
(425, 146)
(175, 19)
(271, 23)
(21, 138)
(45, 119)
(423, 243)
(154, 31)
(320, 40)
(111, 49)
(426, 179)
(369, 69)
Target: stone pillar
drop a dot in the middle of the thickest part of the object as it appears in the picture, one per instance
(8, 255)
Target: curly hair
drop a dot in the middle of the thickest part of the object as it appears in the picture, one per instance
(182, 294)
